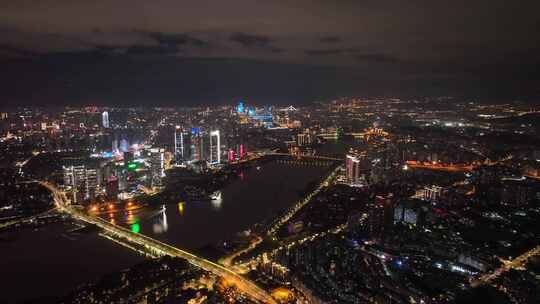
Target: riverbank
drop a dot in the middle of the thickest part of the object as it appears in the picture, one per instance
(53, 259)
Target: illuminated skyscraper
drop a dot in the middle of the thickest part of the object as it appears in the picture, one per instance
(157, 166)
(196, 145)
(124, 145)
(304, 139)
(433, 193)
(215, 147)
(231, 155)
(179, 144)
(91, 183)
(242, 151)
(75, 179)
(240, 108)
(82, 181)
(353, 169)
(105, 119)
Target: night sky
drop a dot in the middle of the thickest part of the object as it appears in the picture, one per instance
(212, 52)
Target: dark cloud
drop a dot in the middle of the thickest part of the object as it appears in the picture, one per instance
(330, 39)
(324, 52)
(376, 57)
(164, 49)
(251, 41)
(462, 42)
(358, 54)
(178, 39)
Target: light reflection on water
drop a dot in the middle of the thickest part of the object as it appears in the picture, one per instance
(217, 203)
(181, 208)
(258, 195)
(160, 222)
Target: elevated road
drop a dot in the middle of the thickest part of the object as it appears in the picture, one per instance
(303, 156)
(27, 219)
(516, 263)
(300, 204)
(439, 167)
(158, 248)
(19, 220)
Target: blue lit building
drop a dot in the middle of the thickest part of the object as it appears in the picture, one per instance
(240, 107)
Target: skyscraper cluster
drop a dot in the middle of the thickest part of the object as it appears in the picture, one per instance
(82, 180)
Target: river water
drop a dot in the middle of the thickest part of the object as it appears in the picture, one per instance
(52, 261)
(258, 194)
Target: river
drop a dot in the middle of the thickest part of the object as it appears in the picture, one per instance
(258, 194)
(51, 261)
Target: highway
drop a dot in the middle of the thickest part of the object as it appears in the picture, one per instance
(304, 156)
(439, 167)
(368, 132)
(516, 263)
(158, 248)
(25, 219)
(300, 204)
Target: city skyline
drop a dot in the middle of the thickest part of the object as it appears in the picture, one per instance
(258, 203)
(269, 152)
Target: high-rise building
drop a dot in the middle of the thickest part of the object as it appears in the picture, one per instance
(179, 144)
(375, 220)
(128, 159)
(433, 193)
(303, 139)
(196, 145)
(105, 119)
(114, 145)
(240, 108)
(231, 155)
(92, 183)
(215, 147)
(112, 188)
(157, 166)
(356, 167)
(242, 151)
(124, 145)
(122, 175)
(353, 168)
(75, 179)
(82, 181)
(406, 214)
(381, 216)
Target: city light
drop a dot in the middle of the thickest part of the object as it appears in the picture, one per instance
(181, 208)
(215, 147)
(157, 248)
(135, 228)
(440, 188)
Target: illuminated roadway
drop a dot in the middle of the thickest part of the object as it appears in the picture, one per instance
(299, 205)
(24, 219)
(228, 260)
(440, 167)
(516, 263)
(28, 218)
(158, 248)
(304, 156)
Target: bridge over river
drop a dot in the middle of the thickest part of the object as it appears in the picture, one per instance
(158, 248)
